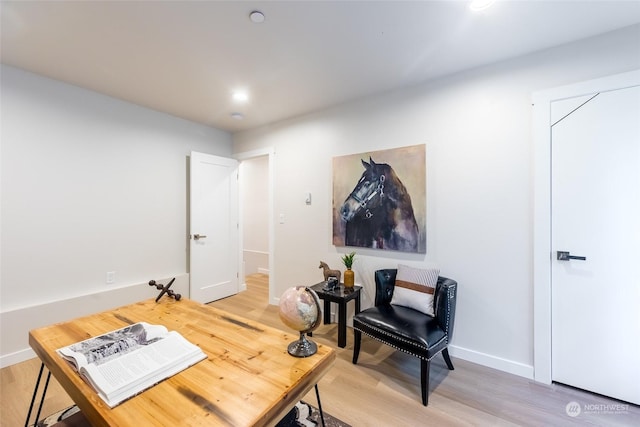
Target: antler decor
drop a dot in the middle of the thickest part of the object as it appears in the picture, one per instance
(165, 289)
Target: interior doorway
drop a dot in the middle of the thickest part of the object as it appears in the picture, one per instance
(256, 215)
(254, 191)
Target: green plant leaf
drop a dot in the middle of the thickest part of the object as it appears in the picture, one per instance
(347, 259)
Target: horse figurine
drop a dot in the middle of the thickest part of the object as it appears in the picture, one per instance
(328, 272)
(378, 212)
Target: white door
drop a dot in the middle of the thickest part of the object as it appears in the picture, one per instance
(596, 215)
(214, 235)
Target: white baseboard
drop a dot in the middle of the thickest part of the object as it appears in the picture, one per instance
(491, 361)
(255, 262)
(16, 357)
(16, 324)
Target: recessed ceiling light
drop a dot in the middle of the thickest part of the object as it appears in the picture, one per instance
(477, 5)
(256, 17)
(240, 96)
(237, 116)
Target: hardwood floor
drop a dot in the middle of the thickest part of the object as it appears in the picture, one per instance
(383, 389)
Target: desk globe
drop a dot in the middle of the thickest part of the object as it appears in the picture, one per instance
(300, 310)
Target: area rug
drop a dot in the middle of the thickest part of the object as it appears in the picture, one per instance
(305, 415)
(302, 415)
(69, 417)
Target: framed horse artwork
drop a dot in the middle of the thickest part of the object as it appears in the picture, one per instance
(384, 205)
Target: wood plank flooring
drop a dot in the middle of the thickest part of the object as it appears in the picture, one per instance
(383, 389)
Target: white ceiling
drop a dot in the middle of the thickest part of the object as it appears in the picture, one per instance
(186, 58)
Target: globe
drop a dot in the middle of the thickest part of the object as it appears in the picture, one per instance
(300, 311)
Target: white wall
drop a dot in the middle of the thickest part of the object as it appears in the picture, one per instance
(478, 134)
(90, 185)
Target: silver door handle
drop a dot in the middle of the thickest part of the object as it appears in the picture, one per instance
(199, 236)
(566, 256)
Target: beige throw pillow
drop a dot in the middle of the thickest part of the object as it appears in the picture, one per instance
(415, 287)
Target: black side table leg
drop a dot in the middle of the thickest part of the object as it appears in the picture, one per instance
(327, 312)
(319, 406)
(35, 392)
(342, 324)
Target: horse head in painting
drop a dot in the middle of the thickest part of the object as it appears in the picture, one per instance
(378, 212)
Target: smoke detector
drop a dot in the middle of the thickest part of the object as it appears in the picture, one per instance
(256, 17)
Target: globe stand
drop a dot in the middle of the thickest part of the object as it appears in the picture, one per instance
(302, 347)
(300, 310)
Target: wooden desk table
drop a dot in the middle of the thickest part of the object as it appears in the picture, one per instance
(248, 378)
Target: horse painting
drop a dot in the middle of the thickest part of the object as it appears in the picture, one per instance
(378, 212)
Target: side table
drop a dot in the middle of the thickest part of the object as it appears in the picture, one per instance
(341, 296)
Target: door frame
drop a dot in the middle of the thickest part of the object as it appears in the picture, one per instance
(247, 155)
(542, 256)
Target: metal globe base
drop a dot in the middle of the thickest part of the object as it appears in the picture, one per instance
(302, 347)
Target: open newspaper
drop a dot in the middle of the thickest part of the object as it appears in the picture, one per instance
(125, 362)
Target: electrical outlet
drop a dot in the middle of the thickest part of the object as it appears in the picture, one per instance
(111, 277)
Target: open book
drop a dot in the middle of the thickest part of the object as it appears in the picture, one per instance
(125, 362)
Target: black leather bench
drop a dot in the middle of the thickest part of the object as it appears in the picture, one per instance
(406, 329)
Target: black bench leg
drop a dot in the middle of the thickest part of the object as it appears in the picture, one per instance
(424, 374)
(424, 380)
(447, 359)
(357, 337)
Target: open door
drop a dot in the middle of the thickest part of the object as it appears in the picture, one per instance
(214, 235)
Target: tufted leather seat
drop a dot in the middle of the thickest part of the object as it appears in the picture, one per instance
(406, 329)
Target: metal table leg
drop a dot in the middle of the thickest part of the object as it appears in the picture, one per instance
(35, 392)
(319, 405)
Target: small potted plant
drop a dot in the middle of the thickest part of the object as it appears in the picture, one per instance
(349, 275)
